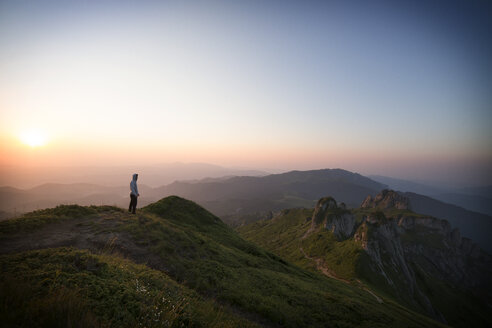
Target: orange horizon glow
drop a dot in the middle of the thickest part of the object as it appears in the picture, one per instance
(63, 152)
(139, 85)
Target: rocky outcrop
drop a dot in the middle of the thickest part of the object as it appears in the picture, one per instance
(385, 200)
(342, 225)
(436, 225)
(403, 246)
(323, 206)
(334, 218)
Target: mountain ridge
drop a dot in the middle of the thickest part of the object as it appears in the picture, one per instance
(410, 257)
(237, 200)
(250, 196)
(476, 199)
(196, 250)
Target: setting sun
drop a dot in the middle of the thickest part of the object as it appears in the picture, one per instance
(33, 138)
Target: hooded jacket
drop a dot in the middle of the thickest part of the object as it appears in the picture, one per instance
(133, 185)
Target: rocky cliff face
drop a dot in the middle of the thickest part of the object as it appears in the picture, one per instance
(385, 200)
(335, 218)
(405, 252)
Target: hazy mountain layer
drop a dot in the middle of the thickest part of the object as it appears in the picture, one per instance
(229, 197)
(152, 175)
(248, 198)
(475, 203)
(477, 199)
(410, 186)
(473, 225)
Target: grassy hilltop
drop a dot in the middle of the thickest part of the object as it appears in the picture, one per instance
(173, 264)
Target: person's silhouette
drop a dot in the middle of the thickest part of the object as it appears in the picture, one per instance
(133, 194)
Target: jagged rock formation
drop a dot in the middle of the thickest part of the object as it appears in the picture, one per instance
(334, 218)
(385, 200)
(406, 251)
(383, 247)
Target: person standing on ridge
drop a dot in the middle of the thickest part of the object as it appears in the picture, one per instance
(133, 194)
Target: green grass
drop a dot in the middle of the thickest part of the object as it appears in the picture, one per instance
(66, 287)
(37, 219)
(284, 237)
(34, 220)
(339, 256)
(200, 255)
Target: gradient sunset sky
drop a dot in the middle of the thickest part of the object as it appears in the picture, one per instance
(394, 88)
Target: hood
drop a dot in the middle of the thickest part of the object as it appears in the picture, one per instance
(134, 178)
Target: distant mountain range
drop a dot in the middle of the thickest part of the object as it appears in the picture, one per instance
(410, 186)
(475, 203)
(473, 225)
(151, 175)
(238, 198)
(477, 199)
(228, 196)
(242, 199)
(15, 201)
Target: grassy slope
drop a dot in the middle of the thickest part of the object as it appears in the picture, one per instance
(203, 254)
(63, 287)
(283, 236)
(33, 220)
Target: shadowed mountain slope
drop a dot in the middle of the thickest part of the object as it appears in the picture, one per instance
(474, 203)
(473, 225)
(243, 198)
(476, 199)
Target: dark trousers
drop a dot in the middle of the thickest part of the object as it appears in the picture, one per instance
(133, 203)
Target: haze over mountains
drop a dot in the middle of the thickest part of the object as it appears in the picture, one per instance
(226, 196)
(478, 199)
(152, 175)
(240, 199)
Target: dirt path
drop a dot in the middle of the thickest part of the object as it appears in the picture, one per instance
(361, 285)
(379, 299)
(320, 265)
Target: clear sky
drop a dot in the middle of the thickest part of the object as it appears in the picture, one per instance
(375, 87)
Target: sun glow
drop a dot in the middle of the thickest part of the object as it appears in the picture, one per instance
(33, 138)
